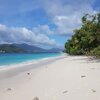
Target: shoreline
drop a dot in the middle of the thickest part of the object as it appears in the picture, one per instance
(28, 60)
(25, 66)
(65, 78)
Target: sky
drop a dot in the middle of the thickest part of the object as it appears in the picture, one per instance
(44, 23)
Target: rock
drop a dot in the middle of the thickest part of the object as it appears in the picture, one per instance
(9, 89)
(36, 98)
(83, 76)
(28, 73)
(65, 92)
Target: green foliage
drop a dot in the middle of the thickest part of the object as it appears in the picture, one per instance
(86, 40)
(96, 52)
(10, 48)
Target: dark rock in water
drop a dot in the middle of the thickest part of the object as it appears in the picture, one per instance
(36, 98)
(83, 76)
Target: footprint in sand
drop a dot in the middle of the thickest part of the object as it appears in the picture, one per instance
(95, 68)
(65, 92)
(9, 89)
(28, 73)
(93, 90)
(36, 98)
(92, 68)
(82, 76)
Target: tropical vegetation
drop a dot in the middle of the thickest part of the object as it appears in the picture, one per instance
(86, 40)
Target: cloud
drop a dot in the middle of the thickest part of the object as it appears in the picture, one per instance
(43, 29)
(24, 35)
(66, 24)
(66, 14)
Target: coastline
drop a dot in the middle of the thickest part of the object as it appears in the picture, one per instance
(14, 69)
(9, 59)
(66, 77)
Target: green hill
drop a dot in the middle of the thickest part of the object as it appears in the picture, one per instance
(10, 48)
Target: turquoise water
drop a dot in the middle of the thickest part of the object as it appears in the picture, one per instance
(6, 59)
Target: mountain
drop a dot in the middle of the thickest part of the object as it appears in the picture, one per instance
(25, 48)
(10, 48)
(55, 50)
(30, 48)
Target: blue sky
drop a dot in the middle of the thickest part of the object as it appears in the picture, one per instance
(45, 23)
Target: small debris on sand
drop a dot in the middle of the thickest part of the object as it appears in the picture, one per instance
(93, 90)
(28, 73)
(36, 98)
(83, 76)
(65, 92)
(9, 89)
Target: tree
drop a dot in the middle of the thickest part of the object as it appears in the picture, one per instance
(86, 40)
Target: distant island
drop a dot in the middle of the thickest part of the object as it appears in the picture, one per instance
(25, 48)
(86, 40)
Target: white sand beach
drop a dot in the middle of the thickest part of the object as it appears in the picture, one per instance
(66, 78)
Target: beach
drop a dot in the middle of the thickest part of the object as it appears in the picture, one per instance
(61, 78)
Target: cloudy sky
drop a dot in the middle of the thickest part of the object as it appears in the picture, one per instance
(45, 23)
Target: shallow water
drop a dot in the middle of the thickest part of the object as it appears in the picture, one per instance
(6, 59)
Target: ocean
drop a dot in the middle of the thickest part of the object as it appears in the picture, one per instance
(14, 58)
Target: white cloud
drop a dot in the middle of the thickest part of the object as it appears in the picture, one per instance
(66, 24)
(24, 35)
(43, 29)
(66, 14)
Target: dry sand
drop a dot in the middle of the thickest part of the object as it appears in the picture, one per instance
(66, 78)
